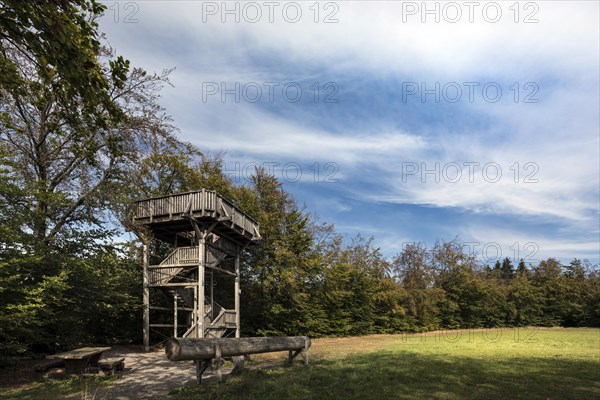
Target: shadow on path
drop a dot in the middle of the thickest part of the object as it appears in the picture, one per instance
(147, 375)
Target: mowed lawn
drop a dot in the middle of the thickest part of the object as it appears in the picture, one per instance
(526, 363)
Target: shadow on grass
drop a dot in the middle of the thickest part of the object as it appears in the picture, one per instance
(408, 375)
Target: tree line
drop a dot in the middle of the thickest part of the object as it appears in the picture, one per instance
(306, 278)
(82, 135)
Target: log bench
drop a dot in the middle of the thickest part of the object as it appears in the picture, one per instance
(206, 351)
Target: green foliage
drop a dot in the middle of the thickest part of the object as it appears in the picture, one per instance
(60, 40)
(67, 168)
(79, 300)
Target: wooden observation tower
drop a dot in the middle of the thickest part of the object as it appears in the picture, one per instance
(204, 231)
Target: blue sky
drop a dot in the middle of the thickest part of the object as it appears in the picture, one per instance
(482, 125)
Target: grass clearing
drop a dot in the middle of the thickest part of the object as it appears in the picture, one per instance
(75, 388)
(533, 363)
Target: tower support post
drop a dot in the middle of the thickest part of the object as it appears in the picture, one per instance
(146, 295)
(201, 294)
(175, 315)
(237, 295)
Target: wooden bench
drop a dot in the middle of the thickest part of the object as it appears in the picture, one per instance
(81, 360)
(110, 366)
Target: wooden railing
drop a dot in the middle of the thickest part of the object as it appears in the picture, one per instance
(204, 202)
(160, 276)
(182, 256)
(176, 204)
(185, 257)
(222, 245)
(170, 266)
(229, 318)
(216, 321)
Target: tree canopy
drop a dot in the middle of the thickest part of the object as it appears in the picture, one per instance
(60, 40)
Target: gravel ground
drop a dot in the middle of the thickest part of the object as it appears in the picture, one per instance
(147, 375)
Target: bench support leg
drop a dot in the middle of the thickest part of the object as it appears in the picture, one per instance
(201, 366)
(238, 364)
(304, 353)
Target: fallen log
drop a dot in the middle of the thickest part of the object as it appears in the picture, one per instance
(179, 349)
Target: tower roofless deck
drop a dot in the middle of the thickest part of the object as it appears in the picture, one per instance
(166, 216)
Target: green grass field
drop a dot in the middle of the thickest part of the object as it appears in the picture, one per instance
(495, 364)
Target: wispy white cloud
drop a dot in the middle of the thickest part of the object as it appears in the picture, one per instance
(487, 242)
(559, 134)
(367, 35)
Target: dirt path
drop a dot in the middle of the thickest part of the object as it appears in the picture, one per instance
(147, 375)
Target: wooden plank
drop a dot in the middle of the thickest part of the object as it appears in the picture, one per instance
(170, 309)
(160, 308)
(221, 270)
(174, 266)
(170, 284)
(78, 354)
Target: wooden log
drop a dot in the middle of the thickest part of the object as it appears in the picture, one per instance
(179, 349)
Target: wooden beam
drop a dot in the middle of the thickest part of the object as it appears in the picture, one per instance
(170, 309)
(160, 308)
(221, 270)
(200, 299)
(175, 315)
(171, 284)
(164, 266)
(195, 225)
